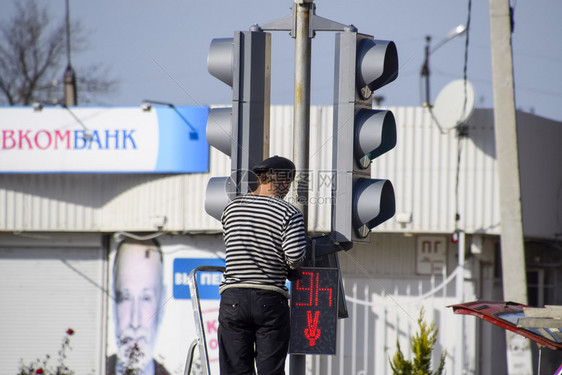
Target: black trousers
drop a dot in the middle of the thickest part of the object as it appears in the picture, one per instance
(253, 324)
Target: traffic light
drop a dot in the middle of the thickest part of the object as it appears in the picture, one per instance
(360, 134)
(241, 131)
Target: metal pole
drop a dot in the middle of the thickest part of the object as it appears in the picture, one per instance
(301, 116)
(301, 113)
(459, 357)
(512, 243)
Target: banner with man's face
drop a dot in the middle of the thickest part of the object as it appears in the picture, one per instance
(151, 321)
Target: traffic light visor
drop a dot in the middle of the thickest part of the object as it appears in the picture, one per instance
(220, 191)
(220, 59)
(374, 204)
(377, 63)
(219, 129)
(375, 134)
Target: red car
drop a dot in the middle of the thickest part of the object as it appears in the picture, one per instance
(507, 315)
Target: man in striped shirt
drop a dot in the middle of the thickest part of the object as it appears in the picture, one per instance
(264, 237)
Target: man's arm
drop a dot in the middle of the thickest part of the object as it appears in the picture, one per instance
(294, 242)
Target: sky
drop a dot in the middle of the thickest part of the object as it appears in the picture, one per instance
(158, 49)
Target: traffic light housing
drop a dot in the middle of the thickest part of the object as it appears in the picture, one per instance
(360, 134)
(241, 131)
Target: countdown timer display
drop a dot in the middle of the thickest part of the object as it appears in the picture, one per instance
(314, 311)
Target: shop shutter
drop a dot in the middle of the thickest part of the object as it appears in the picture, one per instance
(44, 291)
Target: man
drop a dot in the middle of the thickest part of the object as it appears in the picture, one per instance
(138, 292)
(264, 238)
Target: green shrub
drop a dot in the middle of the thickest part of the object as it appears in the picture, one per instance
(422, 346)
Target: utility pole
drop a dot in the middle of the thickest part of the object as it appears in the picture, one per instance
(512, 244)
(69, 78)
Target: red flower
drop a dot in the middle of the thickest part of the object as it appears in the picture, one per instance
(70, 332)
(39, 371)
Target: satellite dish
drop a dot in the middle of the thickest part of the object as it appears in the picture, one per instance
(454, 104)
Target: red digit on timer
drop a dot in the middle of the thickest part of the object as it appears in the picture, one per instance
(329, 290)
(313, 289)
(310, 289)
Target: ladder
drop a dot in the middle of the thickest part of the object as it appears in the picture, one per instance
(200, 342)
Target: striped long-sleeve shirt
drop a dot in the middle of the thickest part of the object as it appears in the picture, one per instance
(263, 237)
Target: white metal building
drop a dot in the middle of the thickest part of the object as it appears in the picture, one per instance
(56, 232)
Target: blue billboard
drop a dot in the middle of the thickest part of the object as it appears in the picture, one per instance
(207, 282)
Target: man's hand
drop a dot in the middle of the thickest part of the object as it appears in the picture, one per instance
(294, 274)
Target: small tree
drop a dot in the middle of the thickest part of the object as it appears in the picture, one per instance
(33, 59)
(422, 346)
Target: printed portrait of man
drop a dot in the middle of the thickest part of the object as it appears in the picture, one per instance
(138, 292)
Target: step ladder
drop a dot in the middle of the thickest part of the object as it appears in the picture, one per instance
(200, 342)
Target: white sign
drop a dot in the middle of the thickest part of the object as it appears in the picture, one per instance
(431, 255)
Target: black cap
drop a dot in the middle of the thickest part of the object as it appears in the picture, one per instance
(275, 164)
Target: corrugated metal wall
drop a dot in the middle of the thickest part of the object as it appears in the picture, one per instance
(422, 168)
